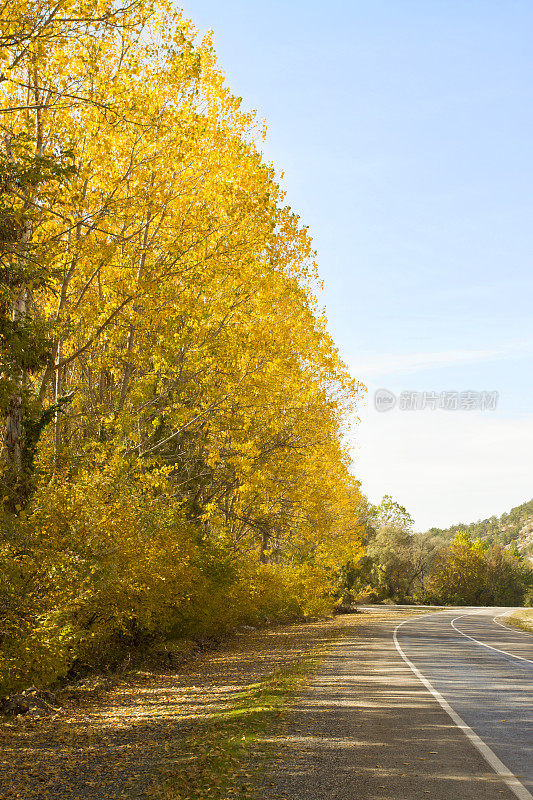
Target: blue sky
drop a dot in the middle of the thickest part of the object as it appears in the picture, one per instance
(404, 130)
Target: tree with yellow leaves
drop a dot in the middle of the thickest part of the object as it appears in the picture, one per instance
(190, 402)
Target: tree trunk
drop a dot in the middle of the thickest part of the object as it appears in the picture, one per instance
(128, 366)
(13, 430)
(265, 536)
(57, 395)
(13, 434)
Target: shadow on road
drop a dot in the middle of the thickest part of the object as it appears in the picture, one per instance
(367, 728)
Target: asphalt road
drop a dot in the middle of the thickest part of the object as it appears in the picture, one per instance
(484, 672)
(410, 707)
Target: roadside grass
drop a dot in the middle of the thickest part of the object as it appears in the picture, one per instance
(522, 619)
(219, 759)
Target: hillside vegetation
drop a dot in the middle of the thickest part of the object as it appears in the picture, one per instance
(515, 527)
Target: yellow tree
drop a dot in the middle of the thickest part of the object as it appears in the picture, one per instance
(183, 326)
(458, 574)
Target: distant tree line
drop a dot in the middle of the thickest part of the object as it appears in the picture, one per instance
(402, 566)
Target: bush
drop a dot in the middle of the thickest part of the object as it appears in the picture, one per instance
(98, 569)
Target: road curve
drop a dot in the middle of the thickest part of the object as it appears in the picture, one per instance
(367, 728)
(482, 674)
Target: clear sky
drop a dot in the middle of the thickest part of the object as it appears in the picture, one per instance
(404, 129)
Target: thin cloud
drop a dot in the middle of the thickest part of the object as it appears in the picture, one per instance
(388, 364)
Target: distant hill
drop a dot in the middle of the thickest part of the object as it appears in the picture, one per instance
(514, 527)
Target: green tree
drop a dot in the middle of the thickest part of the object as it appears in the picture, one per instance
(389, 567)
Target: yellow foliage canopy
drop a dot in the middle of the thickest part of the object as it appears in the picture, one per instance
(201, 434)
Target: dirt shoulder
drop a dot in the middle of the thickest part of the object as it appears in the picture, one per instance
(115, 737)
(523, 620)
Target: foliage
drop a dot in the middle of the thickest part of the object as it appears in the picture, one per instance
(516, 526)
(174, 407)
(29, 180)
(405, 567)
(459, 572)
(389, 565)
(468, 572)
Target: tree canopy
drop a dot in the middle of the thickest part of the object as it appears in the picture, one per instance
(173, 405)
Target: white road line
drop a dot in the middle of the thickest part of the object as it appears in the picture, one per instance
(483, 644)
(507, 628)
(518, 788)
